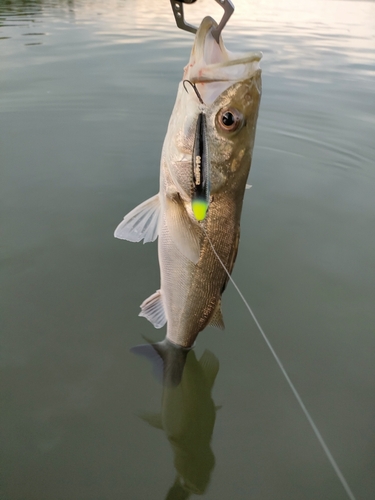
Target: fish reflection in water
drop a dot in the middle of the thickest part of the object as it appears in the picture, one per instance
(187, 414)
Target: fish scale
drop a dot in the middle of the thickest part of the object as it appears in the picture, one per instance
(202, 283)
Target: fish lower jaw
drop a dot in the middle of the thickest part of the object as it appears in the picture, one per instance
(230, 71)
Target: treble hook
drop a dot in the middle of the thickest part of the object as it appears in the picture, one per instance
(178, 11)
(194, 88)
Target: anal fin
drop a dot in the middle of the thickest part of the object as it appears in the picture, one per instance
(153, 309)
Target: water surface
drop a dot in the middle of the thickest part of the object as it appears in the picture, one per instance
(86, 91)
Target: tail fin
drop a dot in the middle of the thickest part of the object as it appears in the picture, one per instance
(167, 359)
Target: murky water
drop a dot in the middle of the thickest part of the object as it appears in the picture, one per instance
(86, 90)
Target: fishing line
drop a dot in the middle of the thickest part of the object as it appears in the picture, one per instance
(291, 385)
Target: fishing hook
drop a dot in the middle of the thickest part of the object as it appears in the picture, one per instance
(194, 88)
(178, 11)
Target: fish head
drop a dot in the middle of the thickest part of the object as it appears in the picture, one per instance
(214, 68)
(226, 88)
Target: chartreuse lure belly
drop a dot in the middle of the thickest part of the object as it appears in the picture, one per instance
(201, 170)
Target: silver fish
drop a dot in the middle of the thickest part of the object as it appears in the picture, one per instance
(209, 141)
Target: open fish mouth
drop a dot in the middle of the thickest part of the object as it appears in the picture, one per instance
(211, 63)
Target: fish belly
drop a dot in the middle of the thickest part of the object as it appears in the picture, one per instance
(191, 292)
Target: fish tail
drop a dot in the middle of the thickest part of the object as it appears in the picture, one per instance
(167, 360)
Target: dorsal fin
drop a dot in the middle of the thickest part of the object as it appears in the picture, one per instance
(217, 317)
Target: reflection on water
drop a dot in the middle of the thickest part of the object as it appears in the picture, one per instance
(187, 414)
(86, 92)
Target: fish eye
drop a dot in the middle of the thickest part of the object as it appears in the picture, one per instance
(229, 119)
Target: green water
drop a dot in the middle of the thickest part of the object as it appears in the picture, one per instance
(86, 91)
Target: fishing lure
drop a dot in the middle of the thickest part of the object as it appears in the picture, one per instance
(200, 163)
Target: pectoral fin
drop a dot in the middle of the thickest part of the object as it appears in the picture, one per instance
(184, 233)
(142, 223)
(153, 309)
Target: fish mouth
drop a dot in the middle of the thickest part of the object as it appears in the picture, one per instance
(211, 62)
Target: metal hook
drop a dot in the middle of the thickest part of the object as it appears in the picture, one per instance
(178, 11)
(195, 90)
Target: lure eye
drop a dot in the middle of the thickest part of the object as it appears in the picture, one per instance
(229, 119)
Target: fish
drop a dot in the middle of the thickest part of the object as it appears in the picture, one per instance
(187, 415)
(167, 360)
(205, 163)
